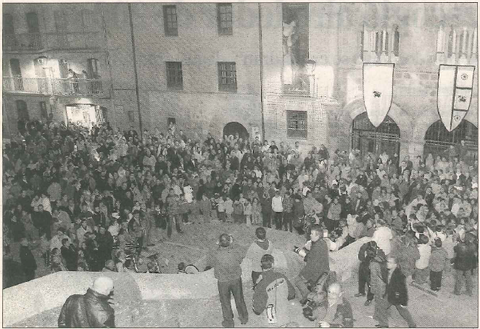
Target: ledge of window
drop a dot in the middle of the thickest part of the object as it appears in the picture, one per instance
(227, 92)
(298, 138)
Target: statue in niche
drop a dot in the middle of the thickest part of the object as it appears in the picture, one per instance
(290, 43)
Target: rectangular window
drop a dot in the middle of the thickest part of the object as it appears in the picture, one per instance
(131, 116)
(174, 75)
(170, 20)
(297, 124)
(227, 76)
(224, 17)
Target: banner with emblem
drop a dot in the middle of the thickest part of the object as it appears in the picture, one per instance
(377, 90)
(455, 87)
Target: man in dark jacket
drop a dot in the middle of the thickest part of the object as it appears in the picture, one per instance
(69, 253)
(226, 262)
(365, 255)
(317, 263)
(29, 265)
(463, 263)
(272, 293)
(396, 294)
(91, 310)
(343, 315)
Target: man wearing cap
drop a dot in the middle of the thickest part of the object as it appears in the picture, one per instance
(226, 260)
(91, 310)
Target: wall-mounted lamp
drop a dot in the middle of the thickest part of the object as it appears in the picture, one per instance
(43, 61)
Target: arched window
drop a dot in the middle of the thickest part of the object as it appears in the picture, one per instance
(367, 138)
(22, 111)
(438, 139)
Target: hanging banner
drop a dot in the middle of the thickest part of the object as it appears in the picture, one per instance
(455, 87)
(377, 90)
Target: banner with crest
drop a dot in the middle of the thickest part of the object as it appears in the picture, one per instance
(377, 90)
(455, 88)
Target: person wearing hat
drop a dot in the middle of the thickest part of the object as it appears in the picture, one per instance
(91, 310)
(226, 260)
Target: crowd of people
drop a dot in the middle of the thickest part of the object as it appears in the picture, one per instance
(90, 200)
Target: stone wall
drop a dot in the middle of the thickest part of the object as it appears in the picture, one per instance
(31, 298)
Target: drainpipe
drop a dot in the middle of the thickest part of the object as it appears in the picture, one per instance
(135, 70)
(260, 49)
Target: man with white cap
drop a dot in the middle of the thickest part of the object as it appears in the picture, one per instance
(91, 310)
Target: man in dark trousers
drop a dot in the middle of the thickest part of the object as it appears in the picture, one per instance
(29, 265)
(91, 310)
(365, 255)
(69, 253)
(226, 260)
(317, 263)
(396, 294)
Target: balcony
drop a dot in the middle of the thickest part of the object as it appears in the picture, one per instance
(52, 41)
(56, 86)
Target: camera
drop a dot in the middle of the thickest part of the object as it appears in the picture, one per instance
(300, 251)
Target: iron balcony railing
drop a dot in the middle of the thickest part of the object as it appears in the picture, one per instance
(55, 86)
(54, 41)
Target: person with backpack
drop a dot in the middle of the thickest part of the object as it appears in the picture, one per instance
(272, 293)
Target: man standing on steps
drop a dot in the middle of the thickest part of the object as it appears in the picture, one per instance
(226, 260)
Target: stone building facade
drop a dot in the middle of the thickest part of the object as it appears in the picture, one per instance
(241, 67)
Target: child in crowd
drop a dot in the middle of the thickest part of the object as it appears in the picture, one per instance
(248, 211)
(256, 212)
(228, 204)
(438, 262)
(421, 265)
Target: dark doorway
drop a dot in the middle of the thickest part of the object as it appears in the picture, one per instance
(22, 111)
(368, 139)
(438, 139)
(234, 128)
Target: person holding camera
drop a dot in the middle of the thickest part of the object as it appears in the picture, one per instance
(226, 262)
(317, 262)
(272, 293)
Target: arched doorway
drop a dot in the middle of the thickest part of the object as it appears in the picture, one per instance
(367, 138)
(234, 128)
(438, 139)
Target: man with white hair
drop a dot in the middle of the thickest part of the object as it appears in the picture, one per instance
(91, 310)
